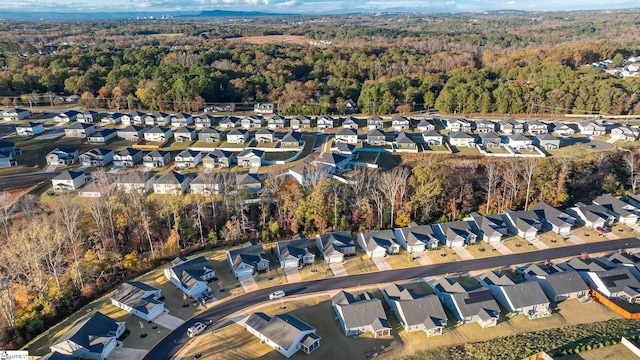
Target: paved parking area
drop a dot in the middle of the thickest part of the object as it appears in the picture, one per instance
(381, 264)
(338, 269)
(292, 274)
(248, 283)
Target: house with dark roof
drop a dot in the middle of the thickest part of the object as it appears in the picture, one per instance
(190, 275)
(461, 138)
(63, 117)
(238, 136)
(510, 127)
(247, 261)
(62, 157)
(621, 211)
(348, 136)
(524, 223)
(417, 238)
(583, 266)
(249, 181)
(276, 122)
(400, 123)
(416, 312)
(285, 333)
(17, 114)
(458, 125)
(172, 183)
(291, 139)
(375, 122)
(432, 137)
(188, 159)
(97, 157)
(403, 141)
(378, 243)
(425, 125)
(350, 123)
(490, 140)
(455, 233)
(133, 118)
(102, 136)
(485, 126)
(79, 130)
(335, 245)
(211, 135)
(250, 158)
(490, 228)
(205, 184)
(218, 159)
(252, 121)
(184, 133)
(324, 122)
(554, 219)
(139, 299)
(525, 297)
(592, 216)
(158, 134)
(633, 200)
(361, 314)
(536, 127)
(156, 158)
(617, 283)
(264, 108)
(556, 283)
(562, 129)
(336, 162)
(158, 118)
(295, 253)
(546, 141)
(474, 305)
(68, 180)
(181, 119)
(131, 133)
(141, 182)
(590, 128)
(301, 122)
(229, 122)
(376, 137)
(204, 121)
(87, 116)
(264, 136)
(128, 157)
(519, 142)
(92, 337)
(30, 129)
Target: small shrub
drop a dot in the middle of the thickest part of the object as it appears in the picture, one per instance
(588, 347)
(613, 342)
(600, 345)
(607, 343)
(577, 351)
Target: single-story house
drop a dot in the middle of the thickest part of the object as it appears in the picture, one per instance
(490, 228)
(525, 298)
(190, 275)
(416, 238)
(593, 216)
(285, 333)
(335, 245)
(92, 337)
(416, 312)
(554, 219)
(556, 283)
(378, 243)
(139, 299)
(621, 211)
(248, 260)
(477, 305)
(455, 233)
(525, 223)
(295, 253)
(616, 283)
(361, 314)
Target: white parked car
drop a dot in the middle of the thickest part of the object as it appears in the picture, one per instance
(276, 295)
(196, 329)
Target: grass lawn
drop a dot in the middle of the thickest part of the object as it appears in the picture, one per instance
(204, 144)
(402, 260)
(615, 352)
(280, 155)
(588, 235)
(230, 284)
(497, 150)
(173, 145)
(271, 144)
(435, 148)
(481, 250)
(623, 231)
(527, 152)
(419, 287)
(551, 239)
(518, 245)
(627, 144)
(367, 157)
(436, 256)
(466, 281)
(358, 264)
(319, 270)
(465, 151)
(226, 144)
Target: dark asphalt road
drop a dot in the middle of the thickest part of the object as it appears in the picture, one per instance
(174, 341)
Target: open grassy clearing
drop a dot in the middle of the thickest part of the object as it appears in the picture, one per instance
(204, 144)
(497, 150)
(518, 245)
(615, 352)
(552, 239)
(465, 151)
(435, 148)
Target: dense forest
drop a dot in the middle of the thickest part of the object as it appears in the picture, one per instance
(510, 63)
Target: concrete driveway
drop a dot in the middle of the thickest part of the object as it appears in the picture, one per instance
(338, 269)
(292, 274)
(381, 263)
(119, 353)
(168, 321)
(499, 246)
(248, 283)
(538, 244)
(463, 253)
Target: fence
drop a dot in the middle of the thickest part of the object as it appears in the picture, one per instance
(631, 346)
(613, 306)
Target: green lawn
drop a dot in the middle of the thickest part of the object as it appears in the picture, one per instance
(173, 145)
(367, 157)
(465, 151)
(226, 280)
(226, 144)
(204, 144)
(280, 155)
(435, 147)
(268, 144)
(614, 352)
(497, 150)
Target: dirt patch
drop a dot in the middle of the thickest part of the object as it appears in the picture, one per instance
(273, 39)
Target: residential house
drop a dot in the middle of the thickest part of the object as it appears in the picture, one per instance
(335, 245)
(250, 158)
(633, 200)
(546, 141)
(416, 312)
(285, 333)
(554, 219)
(592, 216)
(113, 118)
(378, 243)
(185, 134)
(229, 122)
(188, 159)
(591, 128)
(485, 126)
(204, 121)
(291, 139)
(264, 136)
(211, 135)
(87, 116)
(62, 157)
(461, 139)
(490, 140)
(456, 125)
(134, 118)
(140, 182)
(247, 261)
(455, 233)
(172, 183)
(128, 157)
(97, 157)
(536, 127)
(348, 136)
(425, 125)
(94, 336)
(558, 284)
(252, 121)
(218, 159)
(157, 119)
(350, 123)
(350, 107)
(562, 129)
(520, 142)
(403, 141)
(68, 180)
(29, 129)
(63, 117)
(626, 260)
(276, 122)
(16, 114)
(375, 122)
(102, 136)
(583, 266)
(206, 184)
(9, 148)
(511, 127)
(477, 305)
(249, 181)
(336, 162)
(79, 130)
(525, 297)
(490, 228)
(300, 122)
(400, 123)
(361, 314)
(264, 108)
(324, 122)
(376, 138)
(181, 120)
(156, 158)
(616, 283)
(344, 149)
(139, 299)
(625, 133)
(158, 134)
(190, 275)
(131, 133)
(524, 223)
(432, 137)
(417, 238)
(237, 136)
(295, 253)
(621, 211)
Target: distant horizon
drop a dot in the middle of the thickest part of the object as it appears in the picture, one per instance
(303, 7)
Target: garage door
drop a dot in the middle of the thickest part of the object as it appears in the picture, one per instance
(245, 271)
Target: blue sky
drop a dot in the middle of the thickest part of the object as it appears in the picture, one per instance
(307, 6)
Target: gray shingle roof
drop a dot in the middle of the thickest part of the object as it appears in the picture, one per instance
(364, 310)
(69, 175)
(335, 241)
(132, 294)
(418, 234)
(615, 206)
(566, 282)
(171, 177)
(525, 294)
(554, 216)
(247, 255)
(282, 329)
(373, 239)
(296, 248)
(417, 308)
(489, 224)
(92, 332)
(189, 272)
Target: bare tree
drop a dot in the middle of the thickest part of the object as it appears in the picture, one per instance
(68, 213)
(529, 167)
(631, 157)
(8, 206)
(493, 175)
(389, 184)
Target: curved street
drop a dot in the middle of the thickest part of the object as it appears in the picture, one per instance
(175, 340)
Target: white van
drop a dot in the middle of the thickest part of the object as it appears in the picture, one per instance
(276, 295)
(196, 329)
